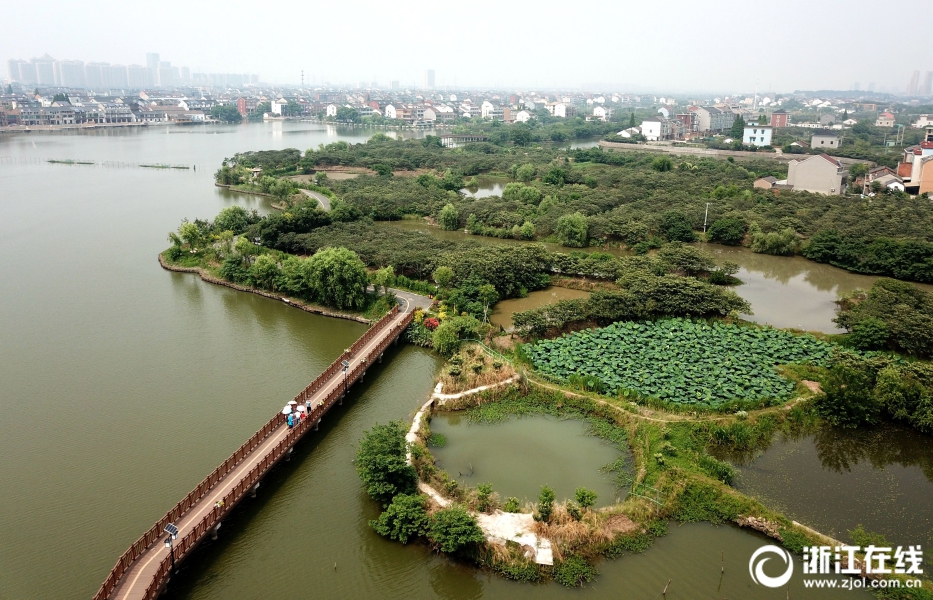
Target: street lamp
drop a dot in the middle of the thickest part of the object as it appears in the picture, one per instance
(172, 532)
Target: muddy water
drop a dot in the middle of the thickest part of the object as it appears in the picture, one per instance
(502, 314)
(788, 292)
(836, 479)
(520, 455)
(792, 291)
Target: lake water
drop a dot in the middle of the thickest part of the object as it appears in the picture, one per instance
(503, 311)
(123, 385)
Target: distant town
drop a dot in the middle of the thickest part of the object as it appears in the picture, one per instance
(893, 133)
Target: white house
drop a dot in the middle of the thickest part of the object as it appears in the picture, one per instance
(757, 135)
(278, 105)
(922, 122)
(602, 113)
(331, 110)
(651, 128)
(631, 131)
(486, 109)
(522, 116)
(390, 112)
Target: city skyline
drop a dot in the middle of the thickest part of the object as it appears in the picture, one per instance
(517, 49)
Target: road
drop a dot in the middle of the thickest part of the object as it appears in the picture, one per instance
(323, 200)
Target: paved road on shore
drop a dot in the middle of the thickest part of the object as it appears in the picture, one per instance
(323, 200)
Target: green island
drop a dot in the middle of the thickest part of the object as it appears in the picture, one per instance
(655, 360)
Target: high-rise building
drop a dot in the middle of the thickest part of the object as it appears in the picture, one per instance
(394, 85)
(45, 70)
(185, 74)
(927, 84)
(71, 73)
(871, 86)
(138, 77)
(857, 86)
(914, 82)
(152, 60)
(22, 71)
(429, 79)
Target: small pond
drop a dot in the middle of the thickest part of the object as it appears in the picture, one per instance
(503, 311)
(520, 454)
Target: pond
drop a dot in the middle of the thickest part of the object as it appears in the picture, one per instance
(503, 311)
(835, 479)
(519, 455)
(487, 187)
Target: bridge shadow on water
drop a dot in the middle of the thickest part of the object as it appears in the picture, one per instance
(199, 566)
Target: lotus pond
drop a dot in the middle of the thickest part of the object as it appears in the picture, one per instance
(679, 360)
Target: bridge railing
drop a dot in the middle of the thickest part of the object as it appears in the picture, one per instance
(156, 531)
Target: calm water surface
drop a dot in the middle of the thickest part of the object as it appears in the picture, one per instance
(520, 455)
(123, 385)
(835, 479)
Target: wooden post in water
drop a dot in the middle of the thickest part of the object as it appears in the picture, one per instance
(664, 593)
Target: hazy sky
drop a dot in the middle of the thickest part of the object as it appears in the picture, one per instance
(671, 46)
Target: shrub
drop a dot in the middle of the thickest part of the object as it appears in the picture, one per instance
(870, 333)
(585, 498)
(662, 164)
(545, 504)
(574, 571)
(676, 227)
(403, 519)
(483, 496)
(453, 529)
(512, 505)
(573, 230)
(449, 218)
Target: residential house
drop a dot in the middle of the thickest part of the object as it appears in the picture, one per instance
(885, 119)
(522, 116)
(915, 169)
(824, 139)
(757, 135)
(560, 109)
(827, 120)
(779, 118)
(820, 174)
(710, 119)
(922, 122)
(331, 110)
(630, 132)
(765, 183)
(658, 128)
(602, 113)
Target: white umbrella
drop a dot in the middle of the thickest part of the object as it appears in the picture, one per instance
(301, 408)
(292, 403)
(287, 410)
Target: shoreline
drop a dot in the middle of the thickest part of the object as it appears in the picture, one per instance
(205, 276)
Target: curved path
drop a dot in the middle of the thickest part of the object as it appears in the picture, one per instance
(146, 567)
(323, 200)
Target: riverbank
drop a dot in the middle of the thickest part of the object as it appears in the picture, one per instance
(712, 152)
(311, 308)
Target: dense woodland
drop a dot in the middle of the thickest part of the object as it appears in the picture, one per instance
(594, 197)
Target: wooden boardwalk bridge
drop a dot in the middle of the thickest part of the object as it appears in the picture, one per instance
(146, 567)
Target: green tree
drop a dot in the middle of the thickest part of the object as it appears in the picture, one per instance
(383, 277)
(573, 230)
(405, 518)
(382, 170)
(190, 234)
(380, 463)
(525, 172)
(235, 219)
(446, 338)
(631, 120)
(848, 399)
(555, 176)
(449, 217)
(452, 180)
(738, 128)
(346, 114)
(488, 296)
(337, 277)
(443, 276)
(545, 504)
(265, 272)
(585, 498)
(453, 529)
(729, 231)
(527, 231)
(226, 113)
(520, 134)
(662, 164)
(870, 333)
(676, 227)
